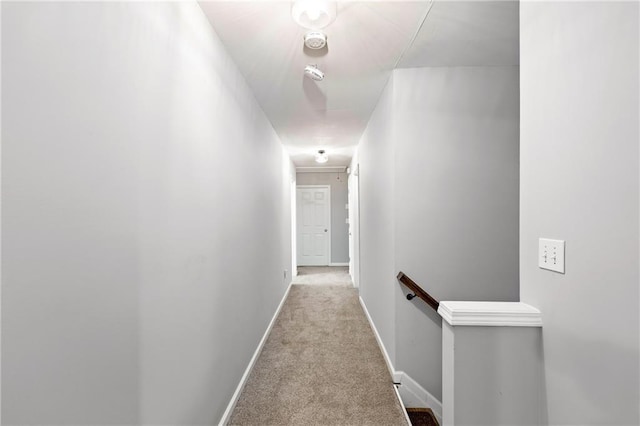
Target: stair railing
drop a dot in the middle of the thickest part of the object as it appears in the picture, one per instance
(417, 291)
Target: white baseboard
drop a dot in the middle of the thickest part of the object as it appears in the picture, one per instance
(415, 396)
(379, 340)
(404, 409)
(395, 376)
(339, 264)
(243, 381)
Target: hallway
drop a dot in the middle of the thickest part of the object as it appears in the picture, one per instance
(151, 158)
(320, 365)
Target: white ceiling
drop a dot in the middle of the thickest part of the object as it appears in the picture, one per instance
(365, 43)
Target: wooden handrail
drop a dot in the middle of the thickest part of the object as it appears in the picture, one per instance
(408, 282)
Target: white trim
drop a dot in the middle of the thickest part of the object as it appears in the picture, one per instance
(395, 376)
(340, 169)
(379, 340)
(243, 381)
(339, 264)
(293, 188)
(492, 314)
(410, 390)
(404, 409)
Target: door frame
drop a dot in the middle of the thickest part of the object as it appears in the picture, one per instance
(354, 224)
(328, 188)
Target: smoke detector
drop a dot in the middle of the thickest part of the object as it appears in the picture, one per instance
(315, 40)
(313, 72)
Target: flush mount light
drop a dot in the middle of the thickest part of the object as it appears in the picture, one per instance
(315, 40)
(313, 14)
(321, 156)
(313, 72)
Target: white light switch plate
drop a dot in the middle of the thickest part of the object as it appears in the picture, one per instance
(551, 255)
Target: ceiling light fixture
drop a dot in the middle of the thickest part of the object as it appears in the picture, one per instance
(315, 40)
(313, 14)
(321, 156)
(313, 72)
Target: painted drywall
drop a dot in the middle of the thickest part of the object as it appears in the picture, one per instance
(491, 375)
(439, 201)
(339, 214)
(376, 175)
(145, 216)
(580, 183)
(456, 210)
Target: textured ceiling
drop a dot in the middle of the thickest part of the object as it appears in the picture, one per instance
(365, 43)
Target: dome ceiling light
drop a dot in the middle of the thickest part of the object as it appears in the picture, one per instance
(315, 40)
(321, 156)
(313, 72)
(313, 14)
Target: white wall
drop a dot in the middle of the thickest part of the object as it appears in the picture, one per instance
(580, 183)
(144, 192)
(439, 196)
(377, 266)
(339, 214)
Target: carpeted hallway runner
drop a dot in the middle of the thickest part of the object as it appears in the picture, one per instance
(321, 365)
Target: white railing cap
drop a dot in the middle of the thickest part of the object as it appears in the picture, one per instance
(493, 314)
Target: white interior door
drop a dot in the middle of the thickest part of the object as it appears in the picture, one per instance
(314, 225)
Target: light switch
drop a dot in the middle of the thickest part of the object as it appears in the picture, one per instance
(551, 255)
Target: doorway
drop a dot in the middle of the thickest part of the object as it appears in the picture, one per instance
(313, 220)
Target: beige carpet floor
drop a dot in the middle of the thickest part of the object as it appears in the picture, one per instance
(321, 365)
(323, 275)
